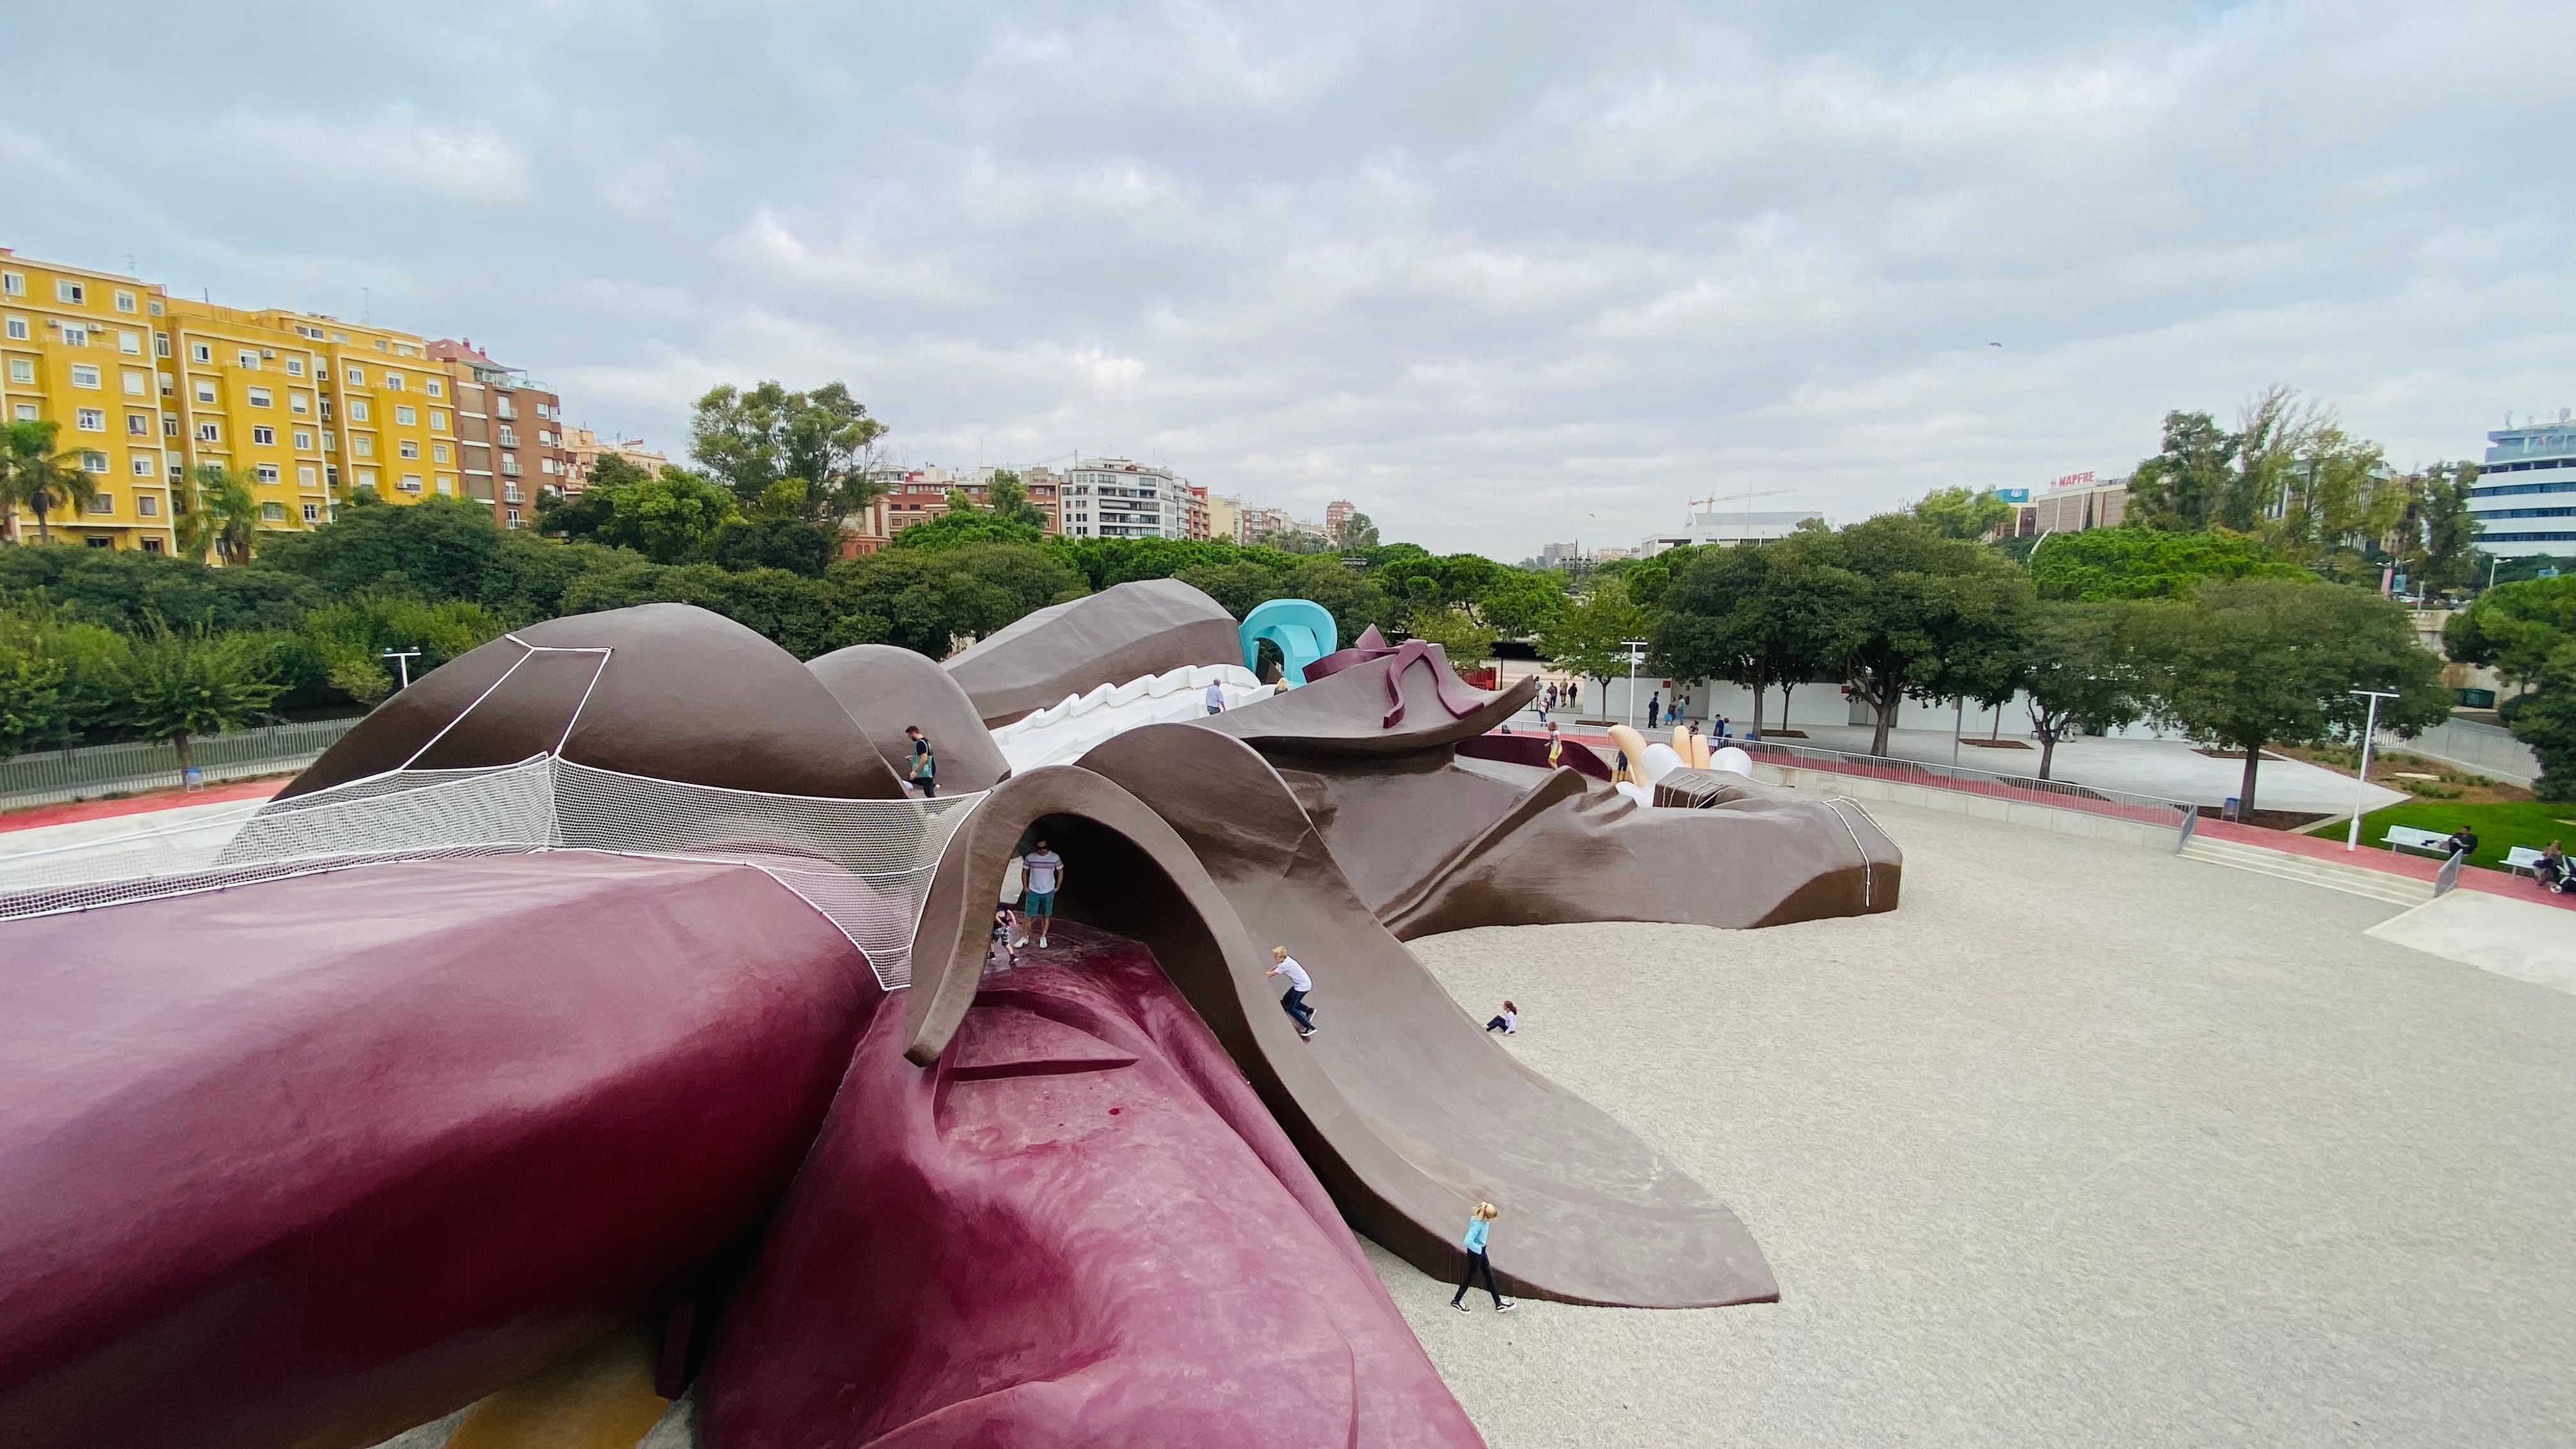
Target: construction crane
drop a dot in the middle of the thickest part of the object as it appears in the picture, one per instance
(1748, 495)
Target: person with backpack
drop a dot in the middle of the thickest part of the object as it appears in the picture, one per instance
(925, 764)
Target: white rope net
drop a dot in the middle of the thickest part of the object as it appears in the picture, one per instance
(865, 864)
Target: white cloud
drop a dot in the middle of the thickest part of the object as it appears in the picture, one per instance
(396, 152)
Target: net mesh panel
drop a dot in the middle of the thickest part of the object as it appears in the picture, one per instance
(865, 864)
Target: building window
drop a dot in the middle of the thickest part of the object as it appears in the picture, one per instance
(169, 425)
(142, 465)
(130, 343)
(209, 433)
(160, 340)
(514, 515)
(84, 375)
(26, 412)
(147, 506)
(152, 307)
(406, 414)
(17, 329)
(138, 425)
(380, 345)
(90, 420)
(259, 397)
(407, 448)
(313, 513)
(303, 440)
(438, 420)
(247, 360)
(362, 444)
(13, 284)
(366, 477)
(272, 513)
(201, 351)
(22, 369)
(124, 301)
(264, 436)
(102, 502)
(330, 441)
(545, 465)
(411, 483)
(446, 485)
(393, 382)
(295, 367)
(358, 375)
(136, 384)
(72, 292)
(93, 462)
(510, 464)
(268, 473)
(509, 438)
(152, 545)
(75, 337)
(436, 388)
(205, 391)
(304, 475)
(357, 410)
(296, 402)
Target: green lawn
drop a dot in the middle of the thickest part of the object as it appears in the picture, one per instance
(2500, 827)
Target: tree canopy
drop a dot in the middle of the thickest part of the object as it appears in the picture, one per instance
(818, 443)
(2141, 563)
(1932, 615)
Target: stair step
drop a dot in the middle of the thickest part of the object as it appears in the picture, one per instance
(2350, 879)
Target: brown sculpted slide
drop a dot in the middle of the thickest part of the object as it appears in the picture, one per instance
(1406, 1110)
(1121, 633)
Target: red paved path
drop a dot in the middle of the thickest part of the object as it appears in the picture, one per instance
(139, 804)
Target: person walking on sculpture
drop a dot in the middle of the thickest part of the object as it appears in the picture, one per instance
(925, 765)
(1479, 1229)
(1299, 983)
(1555, 746)
(1215, 697)
(1042, 876)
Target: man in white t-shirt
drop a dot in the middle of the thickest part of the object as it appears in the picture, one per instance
(1043, 875)
(1299, 983)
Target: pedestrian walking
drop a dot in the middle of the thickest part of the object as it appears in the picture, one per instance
(1479, 1229)
(1654, 708)
(1555, 747)
(1509, 1023)
(925, 764)
(1574, 694)
(1299, 983)
(1215, 697)
(1044, 876)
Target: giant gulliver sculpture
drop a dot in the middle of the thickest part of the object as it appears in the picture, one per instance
(331, 1145)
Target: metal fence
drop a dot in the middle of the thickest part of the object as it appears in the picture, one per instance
(2175, 815)
(53, 776)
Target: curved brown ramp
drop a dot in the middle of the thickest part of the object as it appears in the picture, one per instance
(1152, 626)
(884, 689)
(671, 691)
(1406, 1110)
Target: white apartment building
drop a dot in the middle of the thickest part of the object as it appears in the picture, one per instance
(1119, 498)
(2525, 496)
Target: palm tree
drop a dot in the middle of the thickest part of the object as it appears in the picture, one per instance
(35, 477)
(217, 513)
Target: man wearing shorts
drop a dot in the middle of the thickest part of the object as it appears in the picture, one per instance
(1043, 875)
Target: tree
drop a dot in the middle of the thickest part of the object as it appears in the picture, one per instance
(1241, 586)
(1357, 532)
(669, 518)
(1756, 614)
(35, 477)
(348, 638)
(1455, 630)
(1931, 614)
(1958, 513)
(757, 439)
(2140, 563)
(2185, 485)
(773, 543)
(2252, 662)
(1007, 498)
(1590, 637)
(217, 513)
(927, 600)
(968, 522)
(2445, 552)
(2546, 720)
(2526, 631)
(2085, 671)
(178, 685)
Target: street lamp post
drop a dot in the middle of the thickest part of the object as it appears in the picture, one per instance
(2361, 778)
(1636, 655)
(402, 659)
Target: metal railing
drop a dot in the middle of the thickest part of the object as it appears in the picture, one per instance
(51, 777)
(2175, 815)
(2448, 879)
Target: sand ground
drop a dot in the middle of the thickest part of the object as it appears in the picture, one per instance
(2085, 1145)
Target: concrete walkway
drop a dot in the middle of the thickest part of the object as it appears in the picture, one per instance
(2525, 940)
(2085, 1144)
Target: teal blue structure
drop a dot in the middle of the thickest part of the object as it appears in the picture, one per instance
(1302, 628)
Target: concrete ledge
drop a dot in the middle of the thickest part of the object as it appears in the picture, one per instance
(2057, 819)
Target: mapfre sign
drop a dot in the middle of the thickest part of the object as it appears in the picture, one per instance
(2073, 480)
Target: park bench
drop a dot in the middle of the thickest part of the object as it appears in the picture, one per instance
(2523, 858)
(2407, 837)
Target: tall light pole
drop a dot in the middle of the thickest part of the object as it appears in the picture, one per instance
(2361, 780)
(1636, 655)
(402, 659)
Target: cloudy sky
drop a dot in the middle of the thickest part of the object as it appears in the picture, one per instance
(1503, 273)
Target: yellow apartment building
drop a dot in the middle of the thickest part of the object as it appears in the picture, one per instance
(146, 386)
